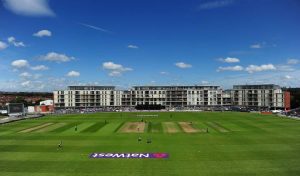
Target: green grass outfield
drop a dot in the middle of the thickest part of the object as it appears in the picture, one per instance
(236, 144)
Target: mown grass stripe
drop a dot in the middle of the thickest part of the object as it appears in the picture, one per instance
(110, 128)
(202, 127)
(232, 126)
(189, 127)
(216, 127)
(35, 128)
(157, 127)
(119, 127)
(149, 129)
(222, 126)
(93, 128)
(51, 127)
(65, 127)
(171, 127)
(245, 124)
(80, 128)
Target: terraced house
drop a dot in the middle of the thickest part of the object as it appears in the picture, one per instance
(270, 96)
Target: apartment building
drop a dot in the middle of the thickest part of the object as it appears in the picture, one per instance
(87, 97)
(174, 96)
(108, 96)
(264, 96)
(261, 96)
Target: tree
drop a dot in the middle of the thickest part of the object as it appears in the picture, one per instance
(19, 99)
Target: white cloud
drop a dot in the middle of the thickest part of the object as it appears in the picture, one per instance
(73, 74)
(29, 76)
(285, 68)
(214, 4)
(39, 68)
(133, 46)
(56, 57)
(37, 76)
(233, 68)
(43, 33)
(25, 75)
(273, 77)
(12, 40)
(22, 63)
(164, 73)
(25, 83)
(230, 60)
(287, 77)
(262, 45)
(256, 68)
(115, 73)
(204, 82)
(3, 45)
(46, 84)
(29, 7)
(113, 66)
(115, 69)
(292, 61)
(256, 46)
(183, 65)
(33, 85)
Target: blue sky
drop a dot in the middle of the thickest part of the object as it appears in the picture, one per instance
(48, 45)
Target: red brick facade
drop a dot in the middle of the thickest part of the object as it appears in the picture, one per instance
(287, 100)
(29, 97)
(44, 108)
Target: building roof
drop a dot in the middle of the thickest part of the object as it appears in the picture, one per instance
(172, 87)
(256, 86)
(91, 87)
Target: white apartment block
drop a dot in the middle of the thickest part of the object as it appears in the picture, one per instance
(107, 96)
(270, 96)
(175, 96)
(204, 96)
(87, 97)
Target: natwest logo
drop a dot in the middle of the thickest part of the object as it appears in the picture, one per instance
(129, 155)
